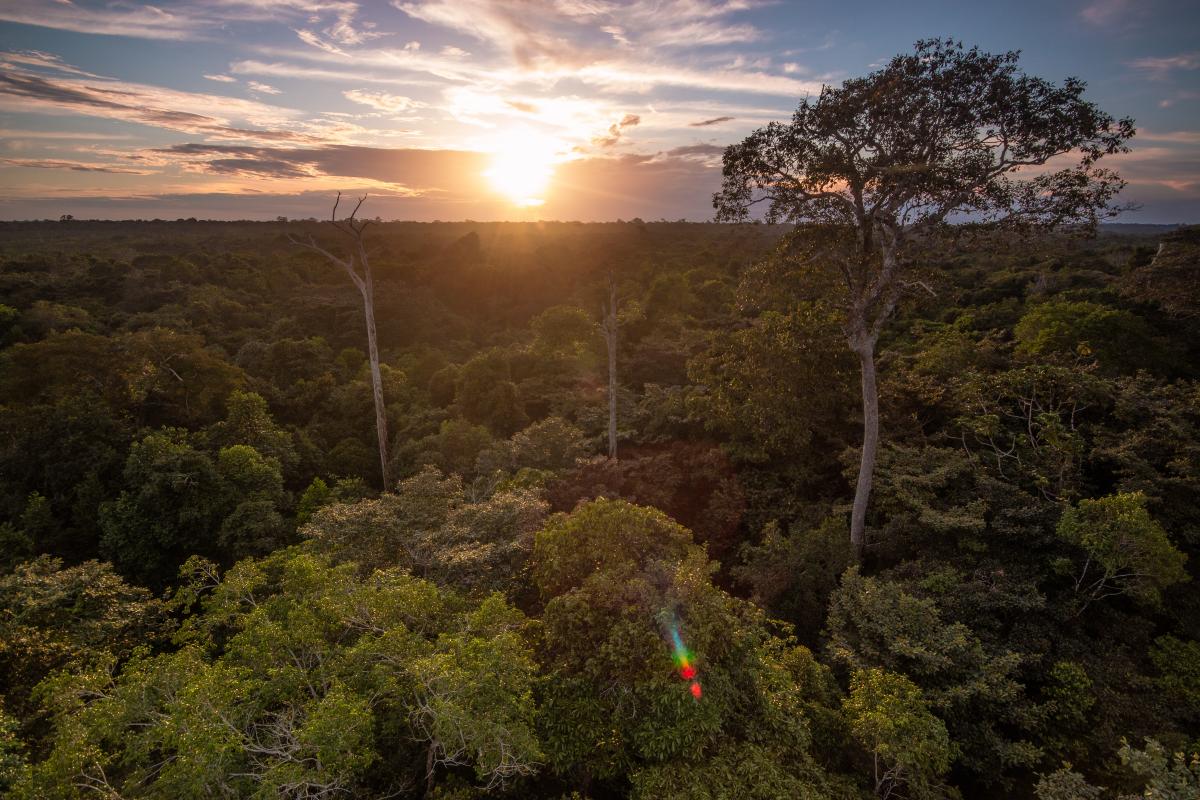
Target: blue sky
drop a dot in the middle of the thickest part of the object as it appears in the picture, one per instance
(508, 109)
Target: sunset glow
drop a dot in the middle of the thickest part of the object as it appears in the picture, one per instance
(521, 168)
(497, 109)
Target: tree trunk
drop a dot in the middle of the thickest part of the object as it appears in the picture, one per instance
(376, 379)
(870, 446)
(610, 338)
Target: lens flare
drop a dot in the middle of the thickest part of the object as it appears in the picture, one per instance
(683, 659)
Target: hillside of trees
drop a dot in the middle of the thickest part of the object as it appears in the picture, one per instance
(206, 590)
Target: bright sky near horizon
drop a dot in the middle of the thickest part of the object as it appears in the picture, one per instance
(508, 109)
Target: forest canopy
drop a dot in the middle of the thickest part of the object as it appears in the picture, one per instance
(864, 505)
(206, 592)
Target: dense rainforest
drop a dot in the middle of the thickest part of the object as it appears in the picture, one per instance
(207, 591)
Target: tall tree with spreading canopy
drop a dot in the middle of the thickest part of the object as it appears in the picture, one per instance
(358, 267)
(883, 163)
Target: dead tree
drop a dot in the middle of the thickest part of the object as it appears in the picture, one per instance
(358, 267)
(608, 327)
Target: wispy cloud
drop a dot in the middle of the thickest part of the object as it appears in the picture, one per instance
(184, 21)
(221, 78)
(144, 22)
(189, 112)
(1162, 66)
(263, 88)
(77, 166)
(615, 131)
(704, 123)
(383, 101)
(1104, 13)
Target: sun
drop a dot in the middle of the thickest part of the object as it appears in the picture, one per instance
(522, 165)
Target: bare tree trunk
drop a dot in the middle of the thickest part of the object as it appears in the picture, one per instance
(870, 446)
(610, 338)
(381, 432)
(365, 284)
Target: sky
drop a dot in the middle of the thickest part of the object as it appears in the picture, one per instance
(509, 109)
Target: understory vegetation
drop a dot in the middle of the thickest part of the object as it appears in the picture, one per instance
(207, 591)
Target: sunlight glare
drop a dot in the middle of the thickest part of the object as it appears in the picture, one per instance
(522, 165)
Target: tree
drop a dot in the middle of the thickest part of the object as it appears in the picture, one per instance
(909, 745)
(876, 623)
(885, 162)
(1162, 777)
(609, 326)
(615, 714)
(358, 267)
(1126, 551)
(296, 678)
(54, 617)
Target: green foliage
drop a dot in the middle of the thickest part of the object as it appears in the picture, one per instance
(616, 578)
(1178, 663)
(54, 617)
(1174, 777)
(179, 501)
(454, 449)
(794, 574)
(12, 759)
(1126, 551)
(1066, 784)
(875, 623)
(296, 676)
(314, 496)
(170, 509)
(908, 744)
(428, 526)
(1159, 776)
(1120, 341)
(777, 387)
(248, 422)
(562, 329)
(170, 389)
(549, 445)
(486, 394)
(1028, 423)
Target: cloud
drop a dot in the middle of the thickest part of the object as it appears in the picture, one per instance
(344, 31)
(541, 33)
(40, 60)
(18, 133)
(1103, 13)
(616, 130)
(588, 189)
(392, 103)
(145, 22)
(77, 166)
(310, 38)
(257, 167)
(184, 21)
(706, 122)
(221, 78)
(263, 88)
(1162, 66)
(425, 171)
(703, 150)
(1174, 137)
(701, 34)
(188, 112)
